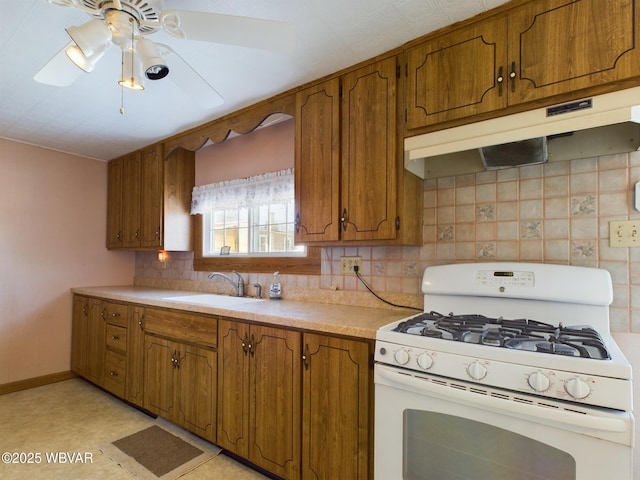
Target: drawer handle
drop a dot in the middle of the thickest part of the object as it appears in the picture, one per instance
(113, 373)
(115, 337)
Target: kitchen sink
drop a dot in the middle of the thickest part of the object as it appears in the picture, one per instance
(213, 300)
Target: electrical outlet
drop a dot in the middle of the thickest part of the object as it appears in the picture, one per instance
(624, 233)
(347, 264)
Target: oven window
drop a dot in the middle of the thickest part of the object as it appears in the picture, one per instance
(446, 447)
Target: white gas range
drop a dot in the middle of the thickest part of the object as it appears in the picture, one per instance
(525, 342)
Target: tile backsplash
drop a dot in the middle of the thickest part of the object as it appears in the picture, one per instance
(553, 213)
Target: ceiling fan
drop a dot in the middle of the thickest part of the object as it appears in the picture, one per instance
(126, 23)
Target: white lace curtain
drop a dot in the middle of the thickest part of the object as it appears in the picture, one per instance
(276, 187)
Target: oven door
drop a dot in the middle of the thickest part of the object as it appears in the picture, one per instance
(429, 427)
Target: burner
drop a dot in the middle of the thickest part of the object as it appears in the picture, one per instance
(517, 334)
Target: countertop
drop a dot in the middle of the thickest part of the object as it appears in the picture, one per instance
(353, 321)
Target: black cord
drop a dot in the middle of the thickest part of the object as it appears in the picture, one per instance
(356, 271)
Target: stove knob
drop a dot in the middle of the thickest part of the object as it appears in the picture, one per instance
(577, 388)
(539, 381)
(425, 361)
(476, 370)
(402, 357)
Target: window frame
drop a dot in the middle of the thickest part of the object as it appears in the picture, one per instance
(296, 265)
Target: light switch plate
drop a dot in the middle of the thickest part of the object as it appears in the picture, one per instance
(625, 233)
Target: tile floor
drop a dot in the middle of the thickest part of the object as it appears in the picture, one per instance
(74, 416)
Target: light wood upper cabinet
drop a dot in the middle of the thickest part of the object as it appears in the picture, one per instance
(546, 51)
(149, 200)
(259, 395)
(317, 163)
(456, 75)
(561, 46)
(350, 184)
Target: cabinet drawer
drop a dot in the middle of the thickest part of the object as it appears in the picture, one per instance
(116, 314)
(116, 338)
(199, 329)
(114, 374)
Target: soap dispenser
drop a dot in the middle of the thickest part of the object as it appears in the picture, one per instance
(275, 290)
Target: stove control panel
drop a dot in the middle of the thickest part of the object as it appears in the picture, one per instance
(510, 278)
(526, 379)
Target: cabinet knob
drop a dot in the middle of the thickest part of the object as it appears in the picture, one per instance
(512, 76)
(113, 374)
(251, 346)
(115, 337)
(297, 223)
(305, 356)
(343, 219)
(500, 80)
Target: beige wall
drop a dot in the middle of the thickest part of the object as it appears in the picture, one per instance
(52, 238)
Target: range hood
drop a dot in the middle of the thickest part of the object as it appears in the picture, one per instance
(601, 125)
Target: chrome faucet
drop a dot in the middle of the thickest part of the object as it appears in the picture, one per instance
(239, 285)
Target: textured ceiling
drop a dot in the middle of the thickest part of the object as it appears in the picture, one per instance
(85, 118)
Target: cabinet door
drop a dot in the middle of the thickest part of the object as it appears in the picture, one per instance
(458, 75)
(79, 331)
(151, 197)
(135, 356)
(369, 156)
(131, 200)
(196, 390)
(159, 372)
(233, 399)
(336, 419)
(558, 46)
(114, 203)
(317, 163)
(96, 341)
(274, 407)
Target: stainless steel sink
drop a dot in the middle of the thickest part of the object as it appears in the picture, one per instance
(213, 300)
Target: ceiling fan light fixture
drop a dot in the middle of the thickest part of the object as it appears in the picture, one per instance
(154, 66)
(131, 76)
(81, 60)
(90, 37)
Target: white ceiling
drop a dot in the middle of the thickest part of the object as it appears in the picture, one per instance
(84, 118)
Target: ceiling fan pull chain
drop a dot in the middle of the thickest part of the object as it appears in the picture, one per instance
(121, 85)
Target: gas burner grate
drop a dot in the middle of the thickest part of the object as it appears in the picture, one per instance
(516, 334)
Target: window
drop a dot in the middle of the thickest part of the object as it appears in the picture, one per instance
(252, 216)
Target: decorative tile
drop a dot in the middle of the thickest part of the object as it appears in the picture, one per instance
(530, 230)
(582, 249)
(583, 205)
(485, 212)
(486, 250)
(446, 233)
(410, 269)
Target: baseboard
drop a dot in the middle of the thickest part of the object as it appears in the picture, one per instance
(36, 382)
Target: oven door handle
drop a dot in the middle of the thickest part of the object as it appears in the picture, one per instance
(477, 400)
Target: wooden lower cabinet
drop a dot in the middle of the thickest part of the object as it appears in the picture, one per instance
(79, 334)
(259, 395)
(180, 375)
(297, 404)
(135, 357)
(98, 342)
(337, 409)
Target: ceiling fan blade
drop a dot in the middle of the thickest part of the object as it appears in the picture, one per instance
(229, 29)
(59, 71)
(188, 80)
